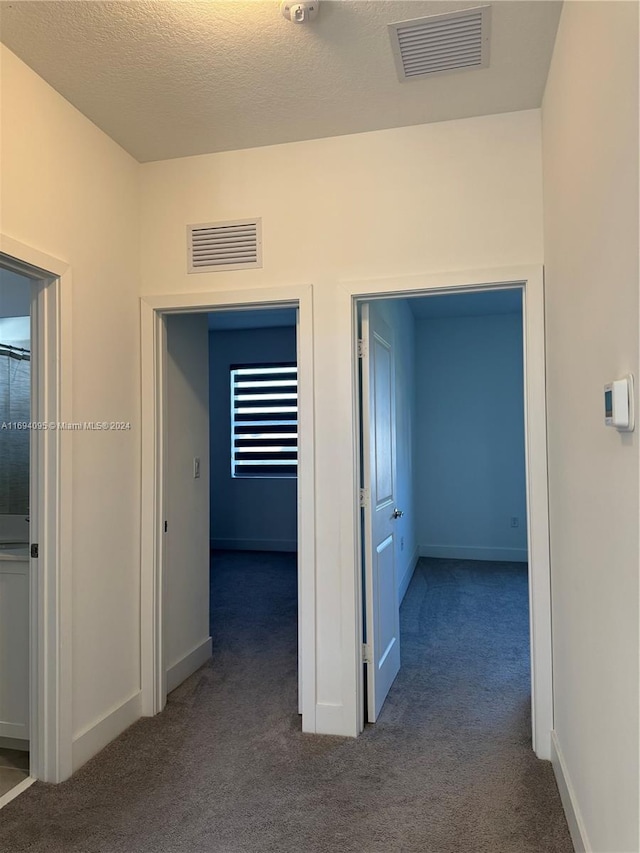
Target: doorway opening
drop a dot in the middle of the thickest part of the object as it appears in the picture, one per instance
(251, 405)
(254, 433)
(230, 535)
(441, 478)
(15, 502)
(35, 518)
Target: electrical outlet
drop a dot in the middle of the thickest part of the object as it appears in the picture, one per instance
(515, 521)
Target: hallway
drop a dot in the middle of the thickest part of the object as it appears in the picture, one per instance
(225, 769)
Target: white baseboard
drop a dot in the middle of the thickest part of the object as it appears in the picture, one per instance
(474, 552)
(408, 574)
(95, 737)
(568, 797)
(187, 665)
(254, 545)
(14, 743)
(14, 731)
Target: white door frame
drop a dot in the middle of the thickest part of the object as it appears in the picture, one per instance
(531, 279)
(51, 517)
(153, 347)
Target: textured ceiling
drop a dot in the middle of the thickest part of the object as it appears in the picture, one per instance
(171, 78)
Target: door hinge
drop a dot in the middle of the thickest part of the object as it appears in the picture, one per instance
(364, 497)
(362, 348)
(34, 551)
(366, 653)
(165, 527)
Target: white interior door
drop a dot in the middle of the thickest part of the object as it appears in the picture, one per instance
(382, 623)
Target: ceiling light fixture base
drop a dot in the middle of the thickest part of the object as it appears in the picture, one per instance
(300, 13)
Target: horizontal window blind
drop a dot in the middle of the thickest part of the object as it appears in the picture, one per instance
(264, 421)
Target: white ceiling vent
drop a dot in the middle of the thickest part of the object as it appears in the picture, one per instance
(233, 245)
(440, 44)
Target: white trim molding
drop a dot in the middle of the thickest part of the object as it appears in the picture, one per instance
(5, 799)
(96, 736)
(572, 812)
(187, 665)
(153, 345)
(530, 279)
(51, 513)
(475, 552)
(408, 575)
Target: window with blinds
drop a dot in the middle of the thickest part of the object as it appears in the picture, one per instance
(264, 421)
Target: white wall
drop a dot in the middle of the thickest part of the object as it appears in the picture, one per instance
(398, 316)
(70, 191)
(470, 464)
(187, 643)
(455, 195)
(252, 513)
(590, 153)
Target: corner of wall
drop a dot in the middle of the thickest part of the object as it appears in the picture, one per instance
(407, 574)
(98, 734)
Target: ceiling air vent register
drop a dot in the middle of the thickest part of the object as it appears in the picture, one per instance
(217, 246)
(441, 44)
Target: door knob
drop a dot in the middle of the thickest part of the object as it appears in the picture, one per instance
(397, 513)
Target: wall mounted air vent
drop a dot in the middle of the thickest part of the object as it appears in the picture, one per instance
(440, 44)
(224, 245)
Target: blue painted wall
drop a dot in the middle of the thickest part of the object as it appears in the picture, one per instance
(469, 452)
(246, 513)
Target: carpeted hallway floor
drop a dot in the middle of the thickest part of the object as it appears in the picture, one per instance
(225, 769)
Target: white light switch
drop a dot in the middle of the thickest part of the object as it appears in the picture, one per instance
(196, 467)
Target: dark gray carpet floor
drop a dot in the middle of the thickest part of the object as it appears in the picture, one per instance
(225, 769)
